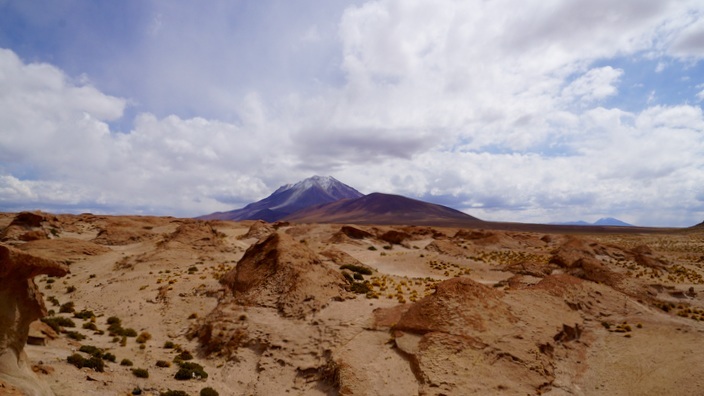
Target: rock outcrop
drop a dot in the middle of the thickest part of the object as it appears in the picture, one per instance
(281, 273)
(21, 304)
(26, 226)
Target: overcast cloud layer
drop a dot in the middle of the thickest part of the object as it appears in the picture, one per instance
(532, 111)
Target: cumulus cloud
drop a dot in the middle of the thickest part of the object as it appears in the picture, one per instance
(507, 111)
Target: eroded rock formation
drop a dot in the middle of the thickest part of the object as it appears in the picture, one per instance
(281, 273)
(20, 304)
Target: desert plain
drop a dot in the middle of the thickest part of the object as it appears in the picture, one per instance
(344, 309)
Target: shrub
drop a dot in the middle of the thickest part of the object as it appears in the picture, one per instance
(163, 363)
(53, 301)
(84, 314)
(358, 276)
(140, 373)
(57, 322)
(94, 363)
(109, 357)
(74, 335)
(114, 320)
(185, 355)
(76, 360)
(190, 370)
(193, 316)
(360, 287)
(143, 337)
(67, 307)
(209, 392)
(372, 248)
(126, 362)
(173, 393)
(129, 332)
(91, 350)
(70, 289)
(168, 345)
(90, 326)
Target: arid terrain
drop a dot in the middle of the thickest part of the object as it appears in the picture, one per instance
(333, 309)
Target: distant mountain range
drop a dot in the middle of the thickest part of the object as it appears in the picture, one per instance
(605, 221)
(291, 198)
(323, 199)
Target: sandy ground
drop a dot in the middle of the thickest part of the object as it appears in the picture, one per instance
(161, 276)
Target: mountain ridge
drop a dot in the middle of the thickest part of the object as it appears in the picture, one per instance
(290, 198)
(380, 208)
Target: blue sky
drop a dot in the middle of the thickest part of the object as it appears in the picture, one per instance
(540, 111)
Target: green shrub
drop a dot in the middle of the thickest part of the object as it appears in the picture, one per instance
(53, 300)
(94, 363)
(209, 392)
(360, 287)
(90, 326)
(76, 360)
(70, 289)
(140, 373)
(190, 370)
(74, 335)
(126, 362)
(57, 322)
(91, 350)
(129, 332)
(372, 248)
(169, 345)
(358, 276)
(184, 355)
(163, 363)
(109, 357)
(114, 320)
(67, 307)
(84, 314)
(173, 393)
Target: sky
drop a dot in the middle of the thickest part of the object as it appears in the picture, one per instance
(531, 111)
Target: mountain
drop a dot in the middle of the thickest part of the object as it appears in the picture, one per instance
(604, 221)
(378, 208)
(610, 221)
(290, 198)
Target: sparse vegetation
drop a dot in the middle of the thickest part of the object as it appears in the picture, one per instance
(57, 322)
(140, 373)
(163, 363)
(190, 370)
(209, 392)
(67, 307)
(126, 362)
(173, 393)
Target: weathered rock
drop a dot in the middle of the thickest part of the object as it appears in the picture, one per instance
(280, 273)
(355, 233)
(26, 226)
(21, 304)
(394, 237)
(259, 229)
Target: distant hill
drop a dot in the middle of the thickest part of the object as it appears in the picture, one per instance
(378, 208)
(605, 221)
(290, 198)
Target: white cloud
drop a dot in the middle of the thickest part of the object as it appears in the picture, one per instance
(596, 84)
(492, 106)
